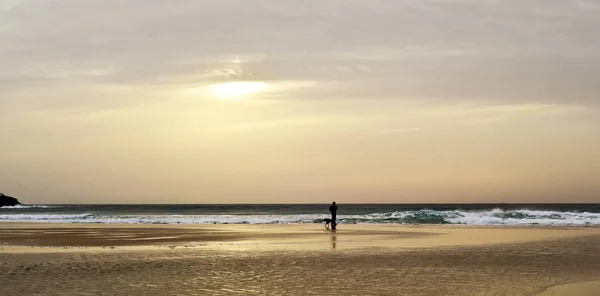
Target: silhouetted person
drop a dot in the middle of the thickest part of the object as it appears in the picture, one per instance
(333, 209)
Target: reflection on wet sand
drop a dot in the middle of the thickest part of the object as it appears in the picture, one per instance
(523, 268)
(333, 240)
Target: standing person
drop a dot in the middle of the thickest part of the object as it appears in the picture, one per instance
(333, 209)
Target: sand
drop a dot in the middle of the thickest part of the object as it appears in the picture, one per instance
(79, 259)
(577, 289)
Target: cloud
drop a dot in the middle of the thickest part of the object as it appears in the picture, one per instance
(399, 130)
(502, 51)
(273, 124)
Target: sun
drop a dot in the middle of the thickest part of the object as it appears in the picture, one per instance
(237, 90)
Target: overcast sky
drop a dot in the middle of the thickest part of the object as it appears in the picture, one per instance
(265, 101)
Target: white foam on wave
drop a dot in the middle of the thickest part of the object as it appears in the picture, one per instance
(490, 217)
(525, 217)
(21, 206)
(162, 219)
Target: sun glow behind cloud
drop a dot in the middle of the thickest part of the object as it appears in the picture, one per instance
(238, 90)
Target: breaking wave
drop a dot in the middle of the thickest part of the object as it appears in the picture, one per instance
(492, 217)
(21, 206)
(489, 217)
(162, 219)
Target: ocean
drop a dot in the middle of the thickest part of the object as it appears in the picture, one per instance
(467, 214)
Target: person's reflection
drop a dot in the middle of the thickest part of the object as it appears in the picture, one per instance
(333, 240)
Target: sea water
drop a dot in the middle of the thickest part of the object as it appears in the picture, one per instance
(469, 214)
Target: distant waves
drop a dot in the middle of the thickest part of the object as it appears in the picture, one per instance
(425, 216)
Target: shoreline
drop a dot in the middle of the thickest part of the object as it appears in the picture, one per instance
(573, 289)
(45, 237)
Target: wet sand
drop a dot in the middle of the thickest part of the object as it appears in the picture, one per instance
(68, 259)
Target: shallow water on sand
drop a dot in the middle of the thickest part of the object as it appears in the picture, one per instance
(518, 269)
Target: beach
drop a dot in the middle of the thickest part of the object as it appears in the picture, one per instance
(300, 259)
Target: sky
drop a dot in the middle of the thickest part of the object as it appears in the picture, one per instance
(286, 101)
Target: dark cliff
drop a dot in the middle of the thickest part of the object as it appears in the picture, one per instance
(6, 200)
